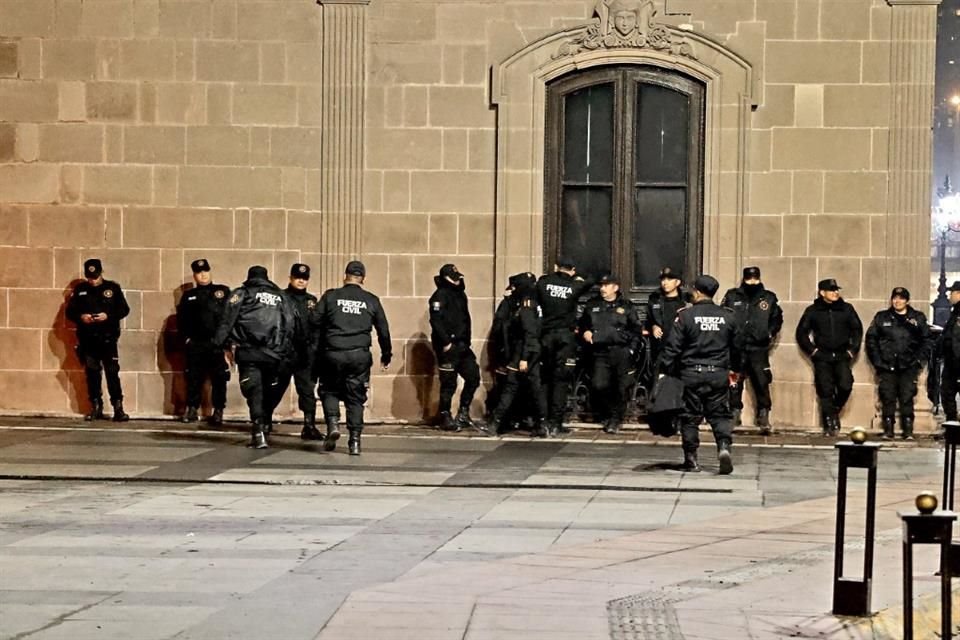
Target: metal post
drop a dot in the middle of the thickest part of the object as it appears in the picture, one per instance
(851, 596)
(951, 438)
(927, 528)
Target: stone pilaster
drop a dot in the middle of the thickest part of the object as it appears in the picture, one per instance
(912, 68)
(342, 107)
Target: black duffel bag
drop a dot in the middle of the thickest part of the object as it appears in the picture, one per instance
(666, 404)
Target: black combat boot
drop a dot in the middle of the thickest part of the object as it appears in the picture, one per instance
(190, 415)
(353, 443)
(310, 431)
(906, 427)
(258, 437)
(333, 434)
(725, 459)
(216, 418)
(445, 422)
(96, 411)
(268, 426)
(737, 418)
(561, 429)
(463, 421)
(119, 415)
(542, 429)
(763, 422)
(888, 424)
(611, 426)
(690, 462)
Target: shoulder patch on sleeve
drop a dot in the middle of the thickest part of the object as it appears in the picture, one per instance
(435, 305)
(235, 298)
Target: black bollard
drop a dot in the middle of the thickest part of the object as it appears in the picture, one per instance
(851, 596)
(927, 527)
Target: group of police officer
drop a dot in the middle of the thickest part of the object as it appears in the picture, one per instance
(276, 334)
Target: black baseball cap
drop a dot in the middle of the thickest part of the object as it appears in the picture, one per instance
(707, 285)
(955, 286)
(450, 271)
(751, 272)
(200, 265)
(92, 268)
(566, 262)
(670, 273)
(609, 278)
(356, 268)
(828, 285)
(900, 292)
(257, 271)
(300, 271)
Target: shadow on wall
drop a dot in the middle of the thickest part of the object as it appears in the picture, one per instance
(62, 341)
(416, 382)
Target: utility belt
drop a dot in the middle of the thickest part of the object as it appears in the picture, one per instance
(706, 368)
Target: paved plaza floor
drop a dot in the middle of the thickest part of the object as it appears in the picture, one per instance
(151, 531)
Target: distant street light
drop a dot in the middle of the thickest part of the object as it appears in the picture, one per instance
(946, 218)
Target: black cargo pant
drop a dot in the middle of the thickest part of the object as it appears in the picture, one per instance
(259, 383)
(100, 357)
(949, 387)
(755, 367)
(305, 382)
(511, 386)
(346, 376)
(558, 362)
(833, 379)
(204, 361)
(458, 360)
(612, 381)
(706, 395)
(897, 389)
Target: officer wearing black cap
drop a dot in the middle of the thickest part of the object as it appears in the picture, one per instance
(663, 305)
(304, 364)
(830, 332)
(346, 317)
(559, 294)
(898, 344)
(97, 306)
(198, 316)
(522, 338)
(450, 335)
(611, 326)
(703, 349)
(950, 351)
(760, 318)
(262, 327)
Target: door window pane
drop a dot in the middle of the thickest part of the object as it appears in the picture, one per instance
(662, 134)
(659, 233)
(585, 228)
(588, 135)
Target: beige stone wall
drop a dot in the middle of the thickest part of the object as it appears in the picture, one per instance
(153, 131)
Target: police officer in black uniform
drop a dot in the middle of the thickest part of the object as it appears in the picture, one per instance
(497, 352)
(898, 343)
(611, 326)
(198, 316)
(304, 365)
(97, 306)
(450, 335)
(760, 318)
(703, 349)
(950, 352)
(261, 326)
(522, 334)
(662, 307)
(830, 332)
(346, 317)
(559, 294)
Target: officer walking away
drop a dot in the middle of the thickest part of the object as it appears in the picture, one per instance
(346, 318)
(559, 294)
(830, 333)
(703, 349)
(97, 306)
(950, 351)
(303, 365)
(261, 326)
(611, 326)
(759, 318)
(898, 343)
(198, 315)
(450, 335)
(662, 307)
(523, 353)
(497, 353)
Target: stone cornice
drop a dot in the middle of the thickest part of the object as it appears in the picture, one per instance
(362, 2)
(907, 3)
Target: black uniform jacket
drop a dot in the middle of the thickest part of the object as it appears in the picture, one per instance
(106, 298)
(704, 334)
(614, 324)
(262, 322)
(950, 340)
(199, 314)
(449, 315)
(498, 344)
(758, 315)
(831, 329)
(897, 342)
(347, 316)
(306, 304)
(559, 294)
(522, 331)
(661, 310)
